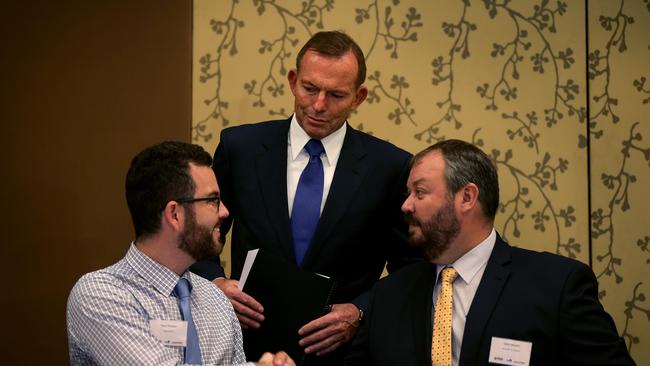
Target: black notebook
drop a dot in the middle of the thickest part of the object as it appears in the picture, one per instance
(291, 297)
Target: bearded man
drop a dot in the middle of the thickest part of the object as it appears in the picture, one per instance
(148, 309)
(478, 300)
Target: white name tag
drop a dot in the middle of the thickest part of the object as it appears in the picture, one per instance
(506, 351)
(170, 332)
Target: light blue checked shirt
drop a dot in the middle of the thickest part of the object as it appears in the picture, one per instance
(109, 313)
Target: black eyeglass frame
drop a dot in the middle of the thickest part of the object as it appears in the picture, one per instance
(215, 199)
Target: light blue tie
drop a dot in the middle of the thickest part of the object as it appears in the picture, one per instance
(306, 204)
(192, 349)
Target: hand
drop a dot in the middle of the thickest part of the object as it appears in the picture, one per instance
(327, 333)
(280, 359)
(248, 310)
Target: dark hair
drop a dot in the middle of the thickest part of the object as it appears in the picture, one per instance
(335, 44)
(464, 164)
(157, 175)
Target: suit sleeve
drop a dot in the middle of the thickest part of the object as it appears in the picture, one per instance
(210, 268)
(357, 354)
(589, 335)
(399, 253)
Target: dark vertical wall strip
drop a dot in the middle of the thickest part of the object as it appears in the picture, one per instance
(84, 86)
(588, 134)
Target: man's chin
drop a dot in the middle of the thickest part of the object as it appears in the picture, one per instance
(417, 240)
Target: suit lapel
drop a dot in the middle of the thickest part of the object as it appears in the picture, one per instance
(345, 183)
(488, 292)
(423, 304)
(271, 165)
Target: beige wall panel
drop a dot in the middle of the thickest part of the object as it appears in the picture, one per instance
(620, 156)
(445, 69)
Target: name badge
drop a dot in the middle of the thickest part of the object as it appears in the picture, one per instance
(169, 332)
(504, 351)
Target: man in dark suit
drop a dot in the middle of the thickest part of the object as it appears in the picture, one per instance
(508, 305)
(360, 228)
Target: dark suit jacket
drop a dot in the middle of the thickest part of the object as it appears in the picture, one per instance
(546, 299)
(361, 226)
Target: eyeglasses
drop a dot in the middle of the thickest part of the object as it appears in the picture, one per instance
(213, 200)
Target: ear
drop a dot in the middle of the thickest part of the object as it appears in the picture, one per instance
(468, 197)
(362, 93)
(173, 216)
(293, 78)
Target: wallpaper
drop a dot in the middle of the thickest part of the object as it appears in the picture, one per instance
(556, 92)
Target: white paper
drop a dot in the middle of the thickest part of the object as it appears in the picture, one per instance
(248, 263)
(506, 351)
(170, 332)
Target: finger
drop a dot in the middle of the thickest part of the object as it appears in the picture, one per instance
(266, 359)
(319, 336)
(316, 324)
(244, 310)
(329, 349)
(246, 322)
(280, 359)
(326, 345)
(248, 300)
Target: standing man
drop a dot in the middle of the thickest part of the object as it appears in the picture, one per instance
(347, 225)
(479, 300)
(147, 309)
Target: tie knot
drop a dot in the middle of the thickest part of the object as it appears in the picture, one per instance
(314, 148)
(182, 288)
(448, 274)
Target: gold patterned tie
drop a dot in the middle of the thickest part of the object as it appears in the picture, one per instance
(441, 342)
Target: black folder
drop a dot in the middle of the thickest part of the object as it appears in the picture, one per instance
(291, 298)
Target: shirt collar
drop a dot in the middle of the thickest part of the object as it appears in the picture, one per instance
(469, 264)
(332, 143)
(160, 277)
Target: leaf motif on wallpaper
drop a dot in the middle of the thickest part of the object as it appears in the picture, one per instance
(396, 94)
(619, 182)
(525, 129)
(599, 69)
(634, 305)
(310, 13)
(639, 85)
(210, 71)
(443, 71)
(643, 245)
(541, 56)
(538, 182)
(391, 35)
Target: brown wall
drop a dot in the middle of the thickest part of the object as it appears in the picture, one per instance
(84, 86)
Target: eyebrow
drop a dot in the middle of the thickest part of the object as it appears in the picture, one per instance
(337, 91)
(417, 181)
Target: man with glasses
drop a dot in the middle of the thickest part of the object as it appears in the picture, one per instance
(147, 308)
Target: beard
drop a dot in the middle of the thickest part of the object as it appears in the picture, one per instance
(197, 240)
(437, 233)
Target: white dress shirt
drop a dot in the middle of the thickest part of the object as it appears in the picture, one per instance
(297, 158)
(470, 268)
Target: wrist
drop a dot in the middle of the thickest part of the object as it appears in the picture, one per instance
(361, 314)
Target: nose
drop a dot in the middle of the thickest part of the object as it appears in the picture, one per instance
(320, 103)
(407, 206)
(223, 211)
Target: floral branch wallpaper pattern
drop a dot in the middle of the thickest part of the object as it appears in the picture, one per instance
(557, 92)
